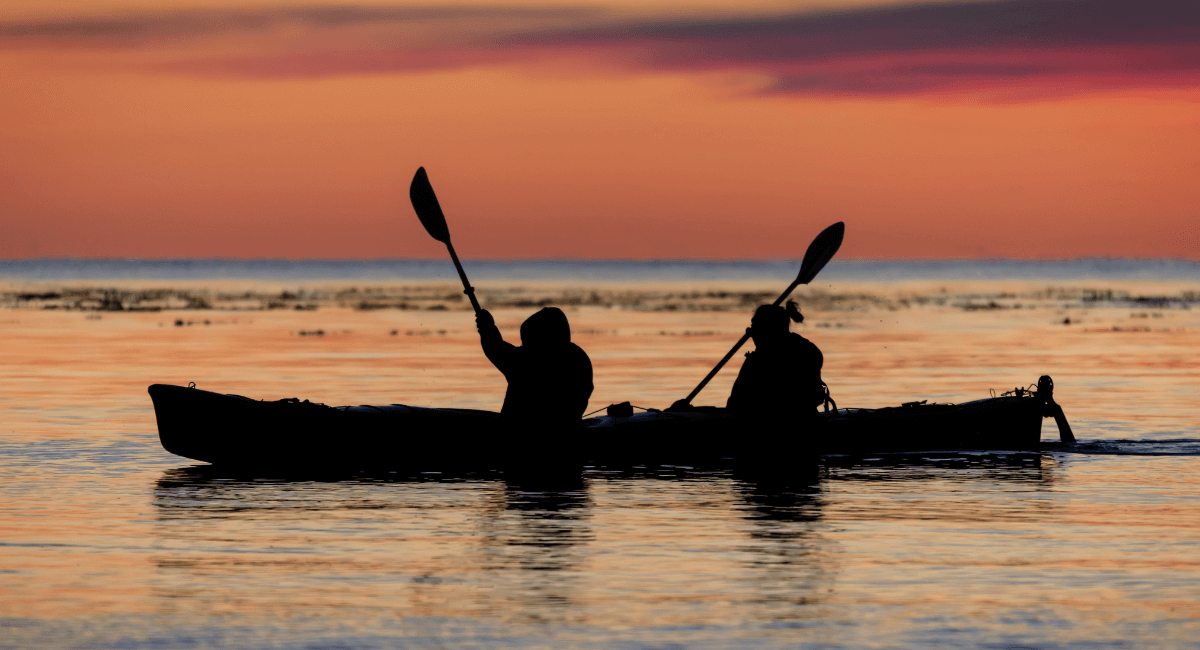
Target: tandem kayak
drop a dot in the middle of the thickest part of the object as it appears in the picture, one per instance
(234, 430)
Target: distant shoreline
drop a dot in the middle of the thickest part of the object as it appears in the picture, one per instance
(597, 270)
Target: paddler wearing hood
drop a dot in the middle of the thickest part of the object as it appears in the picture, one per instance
(549, 377)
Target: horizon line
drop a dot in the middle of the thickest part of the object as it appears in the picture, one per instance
(631, 260)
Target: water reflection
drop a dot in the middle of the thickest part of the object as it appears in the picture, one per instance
(974, 489)
(789, 550)
(650, 546)
(435, 545)
(533, 544)
(543, 525)
(910, 553)
(972, 466)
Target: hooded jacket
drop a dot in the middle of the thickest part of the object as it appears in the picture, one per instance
(549, 377)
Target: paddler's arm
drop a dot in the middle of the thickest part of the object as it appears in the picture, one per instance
(495, 348)
(737, 395)
(587, 385)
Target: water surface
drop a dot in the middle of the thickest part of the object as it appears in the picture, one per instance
(107, 541)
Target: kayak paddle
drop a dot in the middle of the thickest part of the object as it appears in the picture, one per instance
(425, 203)
(820, 251)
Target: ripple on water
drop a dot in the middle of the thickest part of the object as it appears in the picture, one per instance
(108, 541)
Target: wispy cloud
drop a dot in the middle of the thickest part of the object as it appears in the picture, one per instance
(997, 46)
(916, 48)
(150, 28)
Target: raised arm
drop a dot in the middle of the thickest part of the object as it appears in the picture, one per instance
(500, 352)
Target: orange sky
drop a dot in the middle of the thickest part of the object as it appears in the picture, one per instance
(1010, 128)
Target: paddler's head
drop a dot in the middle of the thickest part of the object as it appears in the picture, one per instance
(546, 328)
(771, 323)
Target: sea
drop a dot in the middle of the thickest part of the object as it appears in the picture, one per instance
(109, 541)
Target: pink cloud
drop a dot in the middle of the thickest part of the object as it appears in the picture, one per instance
(1002, 48)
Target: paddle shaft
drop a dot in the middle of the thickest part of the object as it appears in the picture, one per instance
(467, 288)
(737, 346)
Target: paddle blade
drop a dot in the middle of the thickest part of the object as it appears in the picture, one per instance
(425, 202)
(820, 251)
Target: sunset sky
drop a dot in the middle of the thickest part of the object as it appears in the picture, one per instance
(601, 129)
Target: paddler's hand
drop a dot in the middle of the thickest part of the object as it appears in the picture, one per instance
(484, 320)
(681, 405)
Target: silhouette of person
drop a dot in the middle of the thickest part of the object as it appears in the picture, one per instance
(549, 377)
(779, 386)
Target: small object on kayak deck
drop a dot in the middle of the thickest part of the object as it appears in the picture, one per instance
(622, 410)
(235, 430)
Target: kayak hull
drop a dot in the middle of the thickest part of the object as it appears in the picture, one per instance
(234, 430)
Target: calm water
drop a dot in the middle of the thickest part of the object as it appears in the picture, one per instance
(107, 541)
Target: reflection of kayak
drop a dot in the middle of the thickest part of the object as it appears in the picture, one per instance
(230, 429)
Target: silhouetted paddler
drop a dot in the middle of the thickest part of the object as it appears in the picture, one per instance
(549, 377)
(779, 386)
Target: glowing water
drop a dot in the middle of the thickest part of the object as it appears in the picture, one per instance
(106, 540)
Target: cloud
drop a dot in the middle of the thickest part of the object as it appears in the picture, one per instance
(1012, 47)
(998, 23)
(998, 45)
(143, 28)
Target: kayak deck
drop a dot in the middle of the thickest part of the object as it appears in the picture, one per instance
(234, 430)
